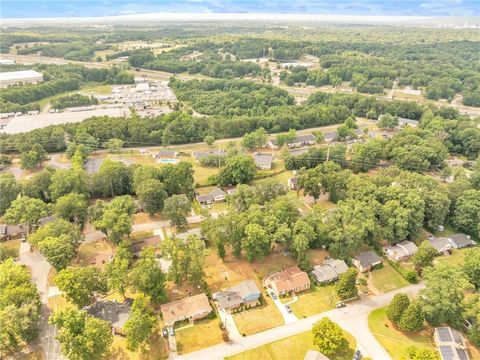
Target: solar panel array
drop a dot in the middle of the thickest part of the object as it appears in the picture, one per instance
(447, 352)
(444, 334)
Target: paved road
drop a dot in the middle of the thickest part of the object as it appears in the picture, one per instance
(40, 268)
(353, 318)
(98, 235)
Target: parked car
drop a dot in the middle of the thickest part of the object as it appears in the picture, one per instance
(357, 355)
(273, 296)
(171, 332)
(165, 332)
(340, 304)
(289, 309)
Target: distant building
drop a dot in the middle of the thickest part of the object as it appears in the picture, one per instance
(141, 87)
(405, 121)
(184, 236)
(20, 77)
(199, 155)
(441, 244)
(113, 312)
(138, 246)
(292, 183)
(401, 251)
(289, 280)
(191, 308)
(263, 161)
(365, 261)
(246, 294)
(454, 241)
(7, 62)
(300, 140)
(10, 232)
(165, 154)
(329, 271)
(216, 195)
(450, 344)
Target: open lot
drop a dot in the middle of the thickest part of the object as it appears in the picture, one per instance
(393, 340)
(291, 348)
(387, 278)
(156, 350)
(318, 299)
(202, 334)
(260, 318)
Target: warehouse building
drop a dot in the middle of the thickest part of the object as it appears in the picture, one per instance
(20, 77)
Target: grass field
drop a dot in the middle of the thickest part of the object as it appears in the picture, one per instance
(260, 318)
(456, 258)
(203, 334)
(12, 244)
(157, 349)
(318, 299)
(394, 341)
(387, 278)
(291, 348)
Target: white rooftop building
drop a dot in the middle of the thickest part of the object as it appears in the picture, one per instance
(20, 77)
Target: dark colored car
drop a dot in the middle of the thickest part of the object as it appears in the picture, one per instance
(274, 297)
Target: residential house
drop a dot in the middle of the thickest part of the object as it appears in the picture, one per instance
(365, 261)
(329, 271)
(289, 280)
(460, 241)
(300, 140)
(192, 308)
(114, 312)
(401, 251)
(165, 154)
(199, 155)
(330, 136)
(450, 344)
(231, 191)
(138, 246)
(297, 152)
(46, 220)
(216, 195)
(314, 355)
(10, 232)
(246, 294)
(263, 161)
(441, 244)
(292, 183)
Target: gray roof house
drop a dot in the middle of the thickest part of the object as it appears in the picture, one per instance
(184, 236)
(406, 121)
(216, 195)
(401, 251)
(165, 154)
(460, 241)
(245, 294)
(441, 244)
(114, 312)
(450, 344)
(365, 261)
(198, 155)
(329, 271)
(263, 161)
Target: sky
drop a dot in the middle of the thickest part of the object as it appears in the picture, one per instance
(79, 8)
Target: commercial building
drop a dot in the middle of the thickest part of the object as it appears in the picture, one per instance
(20, 77)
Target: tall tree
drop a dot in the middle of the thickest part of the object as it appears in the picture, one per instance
(141, 323)
(466, 213)
(471, 266)
(10, 190)
(80, 284)
(146, 276)
(238, 169)
(33, 158)
(152, 195)
(25, 210)
(397, 307)
(177, 208)
(328, 337)
(412, 318)
(117, 269)
(425, 255)
(72, 207)
(58, 251)
(443, 295)
(66, 181)
(56, 228)
(346, 287)
(256, 242)
(81, 336)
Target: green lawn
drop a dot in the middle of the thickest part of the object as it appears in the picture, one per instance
(318, 299)
(456, 258)
(259, 318)
(387, 278)
(203, 334)
(12, 244)
(395, 341)
(291, 348)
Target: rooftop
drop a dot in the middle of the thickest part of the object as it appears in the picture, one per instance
(368, 258)
(114, 312)
(185, 308)
(20, 75)
(263, 159)
(289, 278)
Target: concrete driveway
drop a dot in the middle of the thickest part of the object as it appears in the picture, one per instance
(39, 269)
(230, 325)
(288, 317)
(352, 318)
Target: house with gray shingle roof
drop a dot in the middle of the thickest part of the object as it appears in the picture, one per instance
(216, 195)
(245, 294)
(366, 260)
(114, 312)
(329, 271)
(401, 251)
(263, 161)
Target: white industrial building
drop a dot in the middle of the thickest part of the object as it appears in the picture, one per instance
(7, 62)
(20, 77)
